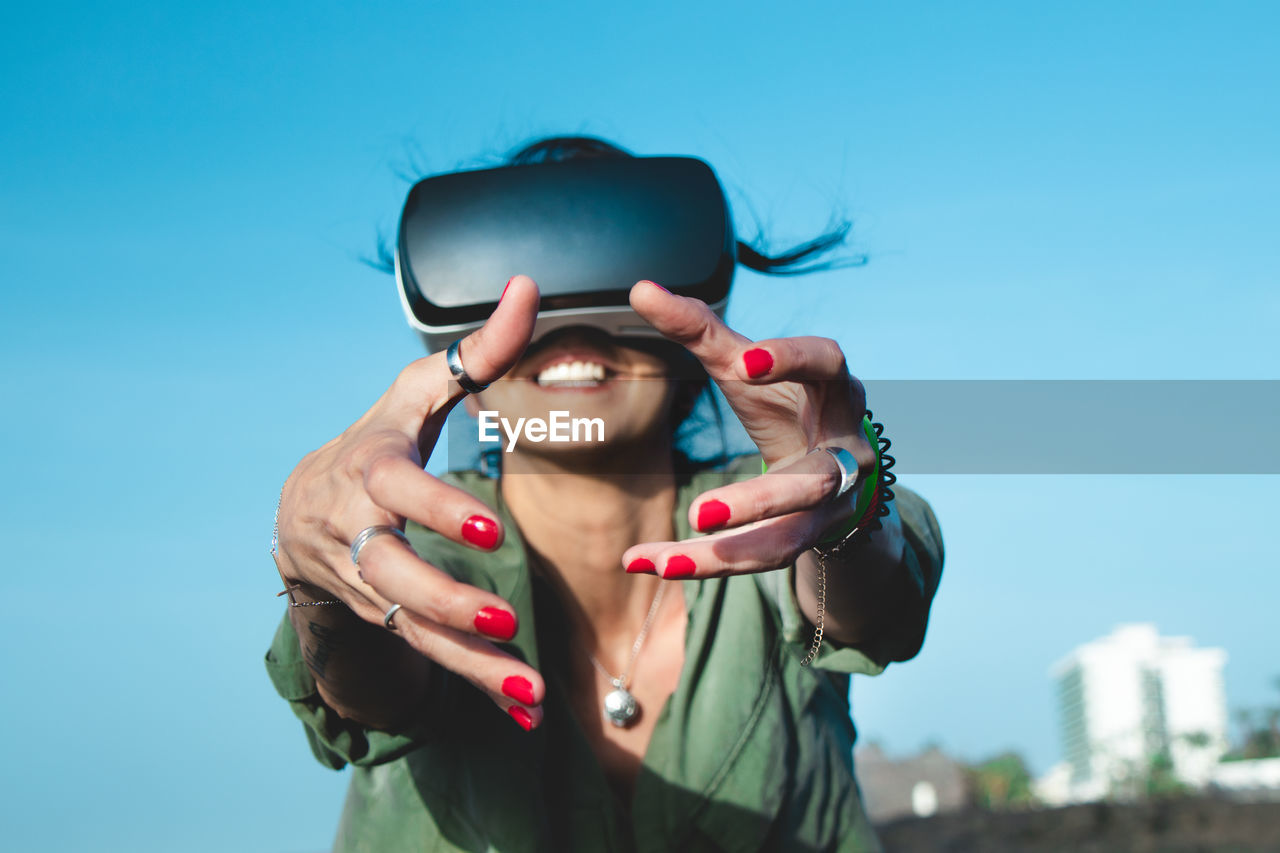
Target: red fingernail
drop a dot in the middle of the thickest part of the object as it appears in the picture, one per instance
(519, 689)
(758, 362)
(496, 623)
(480, 531)
(504, 290)
(712, 515)
(679, 566)
(655, 284)
(640, 564)
(521, 716)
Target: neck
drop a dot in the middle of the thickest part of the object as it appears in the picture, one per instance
(577, 521)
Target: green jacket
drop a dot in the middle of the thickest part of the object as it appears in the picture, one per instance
(751, 751)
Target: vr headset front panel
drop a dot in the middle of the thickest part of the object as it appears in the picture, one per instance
(585, 230)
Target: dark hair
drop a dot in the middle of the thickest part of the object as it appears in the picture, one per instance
(803, 258)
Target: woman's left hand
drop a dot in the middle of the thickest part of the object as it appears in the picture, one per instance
(794, 396)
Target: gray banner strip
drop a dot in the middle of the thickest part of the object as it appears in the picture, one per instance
(1045, 427)
(1080, 426)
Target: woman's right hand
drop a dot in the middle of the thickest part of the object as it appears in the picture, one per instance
(373, 474)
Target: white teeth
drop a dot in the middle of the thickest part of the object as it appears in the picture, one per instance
(576, 371)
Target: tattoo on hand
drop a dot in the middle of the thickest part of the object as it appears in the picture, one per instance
(317, 654)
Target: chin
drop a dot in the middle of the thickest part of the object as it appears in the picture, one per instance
(625, 453)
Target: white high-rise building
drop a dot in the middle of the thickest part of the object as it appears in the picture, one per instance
(1127, 700)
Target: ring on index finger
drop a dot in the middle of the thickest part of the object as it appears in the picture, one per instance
(363, 537)
(453, 358)
(848, 467)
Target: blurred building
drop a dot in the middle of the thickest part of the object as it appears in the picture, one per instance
(921, 786)
(1256, 779)
(1133, 706)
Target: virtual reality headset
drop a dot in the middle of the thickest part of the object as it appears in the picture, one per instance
(585, 230)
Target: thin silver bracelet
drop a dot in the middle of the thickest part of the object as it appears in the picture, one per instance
(275, 542)
(275, 524)
(289, 592)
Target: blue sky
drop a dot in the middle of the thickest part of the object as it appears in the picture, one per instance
(1079, 191)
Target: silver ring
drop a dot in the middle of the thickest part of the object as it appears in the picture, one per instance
(848, 470)
(454, 360)
(391, 614)
(363, 537)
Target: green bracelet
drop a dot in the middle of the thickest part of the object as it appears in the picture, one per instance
(866, 494)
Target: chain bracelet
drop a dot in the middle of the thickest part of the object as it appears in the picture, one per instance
(822, 607)
(822, 593)
(880, 508)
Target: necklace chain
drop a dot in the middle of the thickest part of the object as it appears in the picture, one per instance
(622, 680)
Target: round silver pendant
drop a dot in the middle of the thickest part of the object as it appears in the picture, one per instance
(620, 707)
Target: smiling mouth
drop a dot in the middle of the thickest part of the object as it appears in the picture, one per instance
(573, 374)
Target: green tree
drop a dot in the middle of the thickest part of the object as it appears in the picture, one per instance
(1259, 732)
(1002, 783)
(1160, 780)
(1199, 740)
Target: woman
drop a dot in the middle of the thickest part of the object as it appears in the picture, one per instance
(555, 660)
